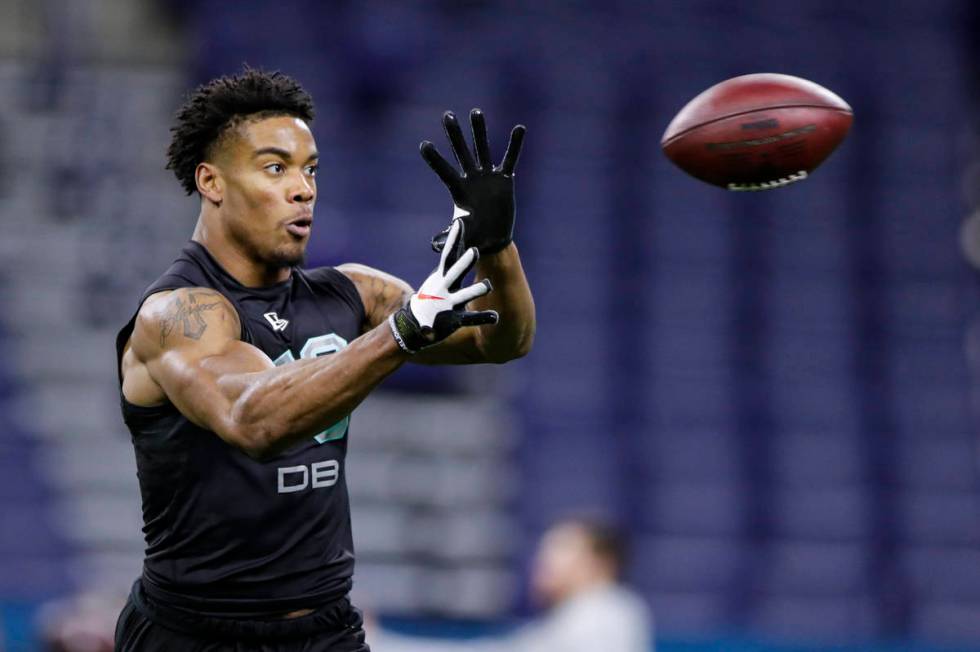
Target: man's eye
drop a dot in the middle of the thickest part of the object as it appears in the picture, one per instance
(276, 168)
(312, 170)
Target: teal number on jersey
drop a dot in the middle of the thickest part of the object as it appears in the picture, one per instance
(314, 348)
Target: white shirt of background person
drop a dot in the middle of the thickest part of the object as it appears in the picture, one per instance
(575, 575)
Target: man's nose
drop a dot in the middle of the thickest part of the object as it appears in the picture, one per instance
(304, 191)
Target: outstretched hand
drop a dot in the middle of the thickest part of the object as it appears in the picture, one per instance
(483, 194)
(438, 309)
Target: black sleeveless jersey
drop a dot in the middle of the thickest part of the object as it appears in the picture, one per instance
(226, 534)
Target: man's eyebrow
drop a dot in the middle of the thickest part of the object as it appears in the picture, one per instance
(281, 153)
(278, 151)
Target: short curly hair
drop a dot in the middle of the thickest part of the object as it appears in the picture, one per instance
(224, 103)
(605, 540)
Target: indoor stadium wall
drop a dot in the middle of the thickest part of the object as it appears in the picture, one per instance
(769, 392)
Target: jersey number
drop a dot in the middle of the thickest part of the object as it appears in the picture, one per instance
(314, 348)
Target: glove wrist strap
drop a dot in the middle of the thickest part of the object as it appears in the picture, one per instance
(406, 333)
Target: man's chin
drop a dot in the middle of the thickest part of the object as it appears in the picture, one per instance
(291, 257)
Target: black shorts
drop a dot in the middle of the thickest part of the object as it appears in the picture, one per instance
(145, 626)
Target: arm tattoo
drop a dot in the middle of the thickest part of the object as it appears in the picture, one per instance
(189, 315)
(386, 298)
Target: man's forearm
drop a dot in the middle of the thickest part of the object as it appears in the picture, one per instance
(277, 408)
(513, 336)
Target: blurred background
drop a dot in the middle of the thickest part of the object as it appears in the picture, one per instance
(774, 394)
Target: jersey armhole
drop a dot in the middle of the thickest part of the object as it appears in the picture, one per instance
(349, 292)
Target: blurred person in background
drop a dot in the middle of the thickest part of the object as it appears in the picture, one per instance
(577, 575)
(83, 623)
(577, 578)
(240, 369)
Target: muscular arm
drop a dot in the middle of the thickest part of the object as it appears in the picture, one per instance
(383, 294)
(185, 349)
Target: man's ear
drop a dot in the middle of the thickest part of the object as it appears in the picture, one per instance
(209, 183)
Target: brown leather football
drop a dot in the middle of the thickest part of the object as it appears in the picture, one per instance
(757, 132)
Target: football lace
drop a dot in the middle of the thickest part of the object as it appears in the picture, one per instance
(768, 185)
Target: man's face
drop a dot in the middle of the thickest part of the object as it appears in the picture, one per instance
(268, 167)
(563, 563)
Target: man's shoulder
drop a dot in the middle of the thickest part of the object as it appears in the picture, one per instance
(176, 317)
(365, 276)
(612, 606)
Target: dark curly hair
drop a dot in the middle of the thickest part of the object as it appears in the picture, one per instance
(224, 103)
(605, 540)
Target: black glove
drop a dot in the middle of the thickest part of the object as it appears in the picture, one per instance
(437, 310)
(484, 195)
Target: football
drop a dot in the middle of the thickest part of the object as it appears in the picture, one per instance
(757, 132)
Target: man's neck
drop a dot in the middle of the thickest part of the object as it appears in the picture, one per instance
(234, 261)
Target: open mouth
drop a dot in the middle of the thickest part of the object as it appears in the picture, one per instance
(301, 227)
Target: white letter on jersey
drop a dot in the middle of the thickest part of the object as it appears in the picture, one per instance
(294, 486)
(325, 474)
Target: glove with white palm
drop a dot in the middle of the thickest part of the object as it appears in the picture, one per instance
(437, 310)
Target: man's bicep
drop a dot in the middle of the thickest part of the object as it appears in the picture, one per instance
(205, 388)
(189, 342)
(381, 293)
